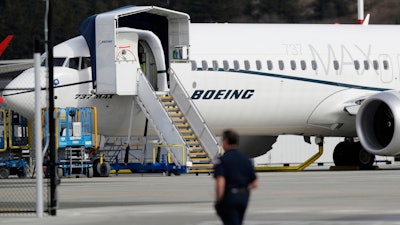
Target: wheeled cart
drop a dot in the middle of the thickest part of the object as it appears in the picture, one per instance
(13, 167)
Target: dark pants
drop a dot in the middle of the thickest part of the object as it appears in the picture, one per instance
(232, 208)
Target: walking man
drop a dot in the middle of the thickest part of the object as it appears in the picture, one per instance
(234, 178)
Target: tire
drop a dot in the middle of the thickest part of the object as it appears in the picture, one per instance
(4, 173)
(176, 173)
(352, 154)
(90, 172)
(22, 174)
(105, 169)
(60, 172)
(96, 168)
(363, 159)
(341, 154)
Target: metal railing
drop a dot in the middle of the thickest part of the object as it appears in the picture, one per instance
(159, 118)
(193, 116)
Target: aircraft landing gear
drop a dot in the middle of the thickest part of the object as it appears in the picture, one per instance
(349, 153)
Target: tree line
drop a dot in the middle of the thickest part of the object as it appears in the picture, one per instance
(25, 18)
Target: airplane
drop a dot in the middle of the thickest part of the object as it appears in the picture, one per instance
(263, 80)
(4, 44)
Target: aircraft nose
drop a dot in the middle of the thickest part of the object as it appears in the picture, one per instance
(19, 94)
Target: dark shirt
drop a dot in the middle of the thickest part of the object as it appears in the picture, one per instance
(236, 168)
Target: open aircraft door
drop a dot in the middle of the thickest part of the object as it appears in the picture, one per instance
(100, 32)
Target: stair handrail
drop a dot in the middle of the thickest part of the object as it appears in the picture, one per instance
(141, 78)
(206, 137)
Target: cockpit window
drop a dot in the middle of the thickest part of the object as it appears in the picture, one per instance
(57, 61)
(73, 63)
(86, 63)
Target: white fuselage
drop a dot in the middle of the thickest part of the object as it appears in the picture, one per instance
(258, 79)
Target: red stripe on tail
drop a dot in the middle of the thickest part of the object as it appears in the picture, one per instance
(5, 43)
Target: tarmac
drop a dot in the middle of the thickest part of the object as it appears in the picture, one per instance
(308, 197)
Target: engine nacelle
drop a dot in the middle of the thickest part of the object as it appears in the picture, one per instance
(254, 146)
(378, 123)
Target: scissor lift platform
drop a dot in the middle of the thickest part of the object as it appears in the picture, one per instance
(76, 140)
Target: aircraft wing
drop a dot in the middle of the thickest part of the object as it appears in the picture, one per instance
(339, 110)
(8, 66)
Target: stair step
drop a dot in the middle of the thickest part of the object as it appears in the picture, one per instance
(186, 131)
(189, 136)
(192, 142)
(168, 103)
(200, 160)
(181, 125)
(175, 114)
(165, 97)
(197, 154)
(198, 148)
(179, 119)
(202, 165)
(172, 109)
(201, 171)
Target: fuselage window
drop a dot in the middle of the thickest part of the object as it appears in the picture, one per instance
(314, 64)
(385, 64)
(335, 64)
(303, 65)
(293, 64)
(215, 65)
(246, 65)
(258, 65)
(269, 65)
(366, 65)
(376, 64)
(204, 65)
(73, 63)
(281, 65)
(194, 65)
(86, 63)
(226, 65)
(236, 65)
(356, 64)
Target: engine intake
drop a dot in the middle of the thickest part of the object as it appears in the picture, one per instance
(378, 123)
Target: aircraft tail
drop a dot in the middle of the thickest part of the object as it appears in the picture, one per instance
(5, 43)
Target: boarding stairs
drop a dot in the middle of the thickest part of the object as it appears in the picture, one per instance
(178, 122)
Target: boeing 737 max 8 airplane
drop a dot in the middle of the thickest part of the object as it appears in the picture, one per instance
(264, 80)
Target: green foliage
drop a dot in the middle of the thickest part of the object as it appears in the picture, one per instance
(331, 9)
(20, 18)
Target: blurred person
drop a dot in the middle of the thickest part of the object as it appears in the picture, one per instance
(234, 178)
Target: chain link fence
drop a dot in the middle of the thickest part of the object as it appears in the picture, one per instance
(18, 196)
(18, 188)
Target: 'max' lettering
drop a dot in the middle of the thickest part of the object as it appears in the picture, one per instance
(223, 94)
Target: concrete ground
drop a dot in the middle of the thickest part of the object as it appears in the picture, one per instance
(309, 197)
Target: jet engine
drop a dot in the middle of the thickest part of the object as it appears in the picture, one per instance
(378, 123)
(254, 146)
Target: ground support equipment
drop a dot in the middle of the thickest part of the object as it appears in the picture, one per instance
(149, 167)
(76, 140)
(13, 167)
